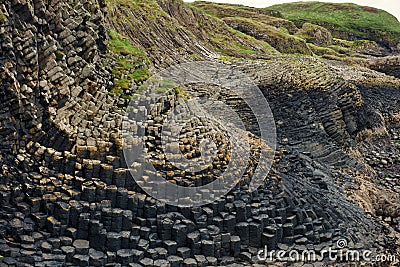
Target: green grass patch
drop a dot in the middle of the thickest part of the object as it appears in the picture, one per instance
(129, 64)
(140, 75)
(122, 83)
(126, 63)
(180, 92)
(226, 58)
(247, 51)
(121, 45)
(342, 43)
(322, 51)
(361, 43)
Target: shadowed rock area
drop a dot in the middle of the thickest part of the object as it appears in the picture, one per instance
(68, 71)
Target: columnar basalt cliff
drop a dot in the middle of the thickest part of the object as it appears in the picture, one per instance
(68, 70)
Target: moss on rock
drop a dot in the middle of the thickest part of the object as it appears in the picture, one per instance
(315, 34)
(277, 38)
(3, 18)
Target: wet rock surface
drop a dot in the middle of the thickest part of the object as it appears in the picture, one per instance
(68, 198)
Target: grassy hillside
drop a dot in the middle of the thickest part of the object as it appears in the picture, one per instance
(348, 21)
(265, 16)
(171, 31)
(279, 38)
(282, 34)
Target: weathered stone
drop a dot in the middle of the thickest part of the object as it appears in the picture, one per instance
(81, 246)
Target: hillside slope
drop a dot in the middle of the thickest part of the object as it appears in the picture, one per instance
(172, 31)
(307, 37)
(346, 21)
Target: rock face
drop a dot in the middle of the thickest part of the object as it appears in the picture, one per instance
(269, 17)
(315, 34)
(388, 65)
(67, 196)
(281, 41)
